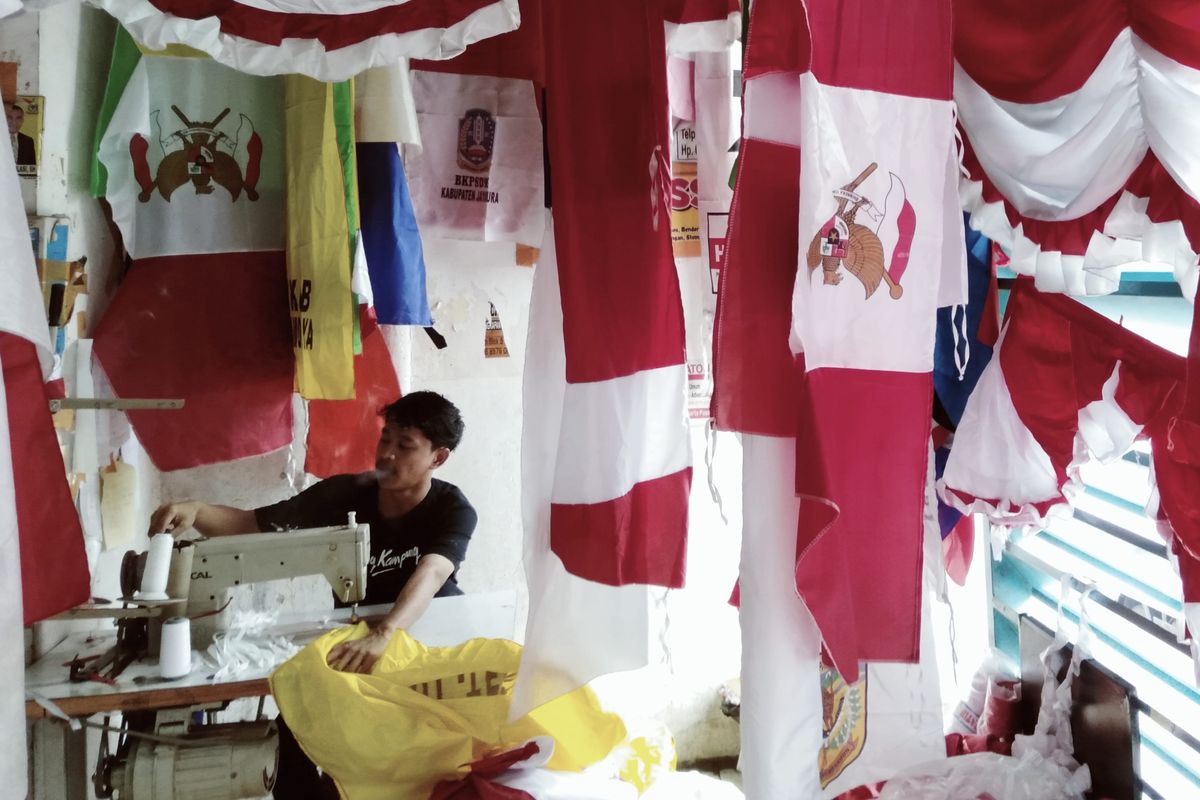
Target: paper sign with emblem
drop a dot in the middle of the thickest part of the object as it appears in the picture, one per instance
(478, 174)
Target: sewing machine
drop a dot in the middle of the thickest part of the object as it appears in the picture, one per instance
(165, 754)
(202, 572)
(62, 759)
(213, 566)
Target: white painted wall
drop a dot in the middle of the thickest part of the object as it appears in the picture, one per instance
(463, 277)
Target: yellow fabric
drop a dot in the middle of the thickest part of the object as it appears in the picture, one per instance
(173, 50)
(646, 754)
(387, 735)
(318, 259)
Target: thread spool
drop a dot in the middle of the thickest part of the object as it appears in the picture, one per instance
(175, 650)
(158, 568)
(180, 575)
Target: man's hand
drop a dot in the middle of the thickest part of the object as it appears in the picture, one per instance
(361, 654)
(174, 518)
(209, 520)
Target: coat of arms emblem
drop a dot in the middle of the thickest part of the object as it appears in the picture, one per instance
(476, 137)
(844, 723)
(200, 153)
(845, 242)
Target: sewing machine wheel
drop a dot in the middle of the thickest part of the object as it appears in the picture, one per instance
(133, 564)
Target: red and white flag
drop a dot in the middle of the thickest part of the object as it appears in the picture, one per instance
(884, 235)
(756, 383)
(325, 40)
(578, 629)
(1069, 386)
(756, 377)
(701, 26)
(606, 461)
(194, 156)
(879, 227)
(619, 510)
(830, 735)
(43, 567)
(1081, 154)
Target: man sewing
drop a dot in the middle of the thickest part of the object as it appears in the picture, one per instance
(420, 526)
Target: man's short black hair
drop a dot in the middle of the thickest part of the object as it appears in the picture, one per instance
(431, 414)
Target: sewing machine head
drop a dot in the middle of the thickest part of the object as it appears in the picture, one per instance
(203, 571)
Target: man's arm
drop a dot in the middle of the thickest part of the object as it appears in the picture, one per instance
(360, 655)
(210, 520)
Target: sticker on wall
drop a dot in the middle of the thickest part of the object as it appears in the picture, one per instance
(527, 255)
(493, 337)
(24, 116)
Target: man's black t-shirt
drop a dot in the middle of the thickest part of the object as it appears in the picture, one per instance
(442, 523)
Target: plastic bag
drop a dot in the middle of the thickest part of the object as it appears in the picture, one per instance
(244, 647)
(969, 710)
(692, 786)
(985, 775)
(425, 713)
(1001, 709)
(1042, 766)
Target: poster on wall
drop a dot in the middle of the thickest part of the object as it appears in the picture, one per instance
(685, 213)
(493, 337)
(24, 116)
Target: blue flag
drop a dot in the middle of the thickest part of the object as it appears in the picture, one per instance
(958, 355)
(395, 261)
